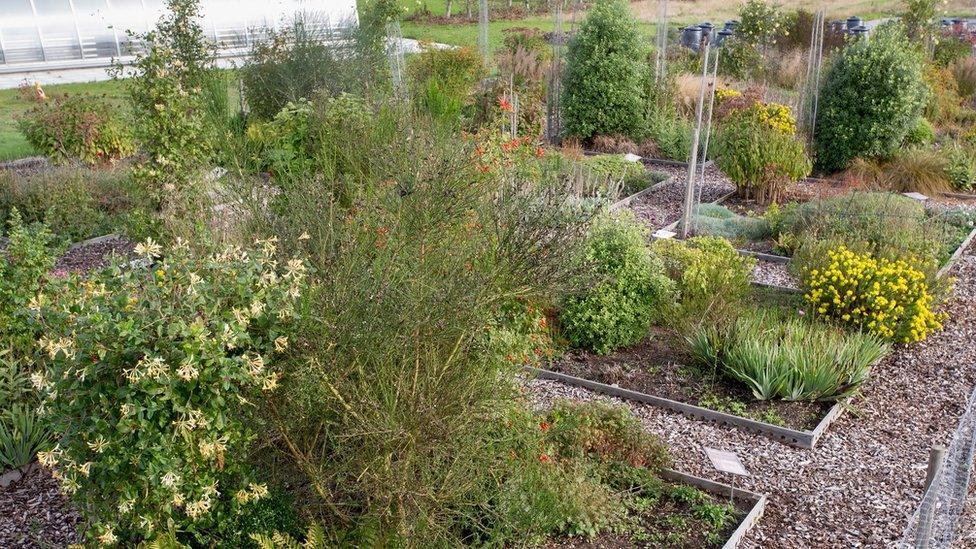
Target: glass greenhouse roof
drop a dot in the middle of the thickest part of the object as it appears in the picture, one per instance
(79, 33)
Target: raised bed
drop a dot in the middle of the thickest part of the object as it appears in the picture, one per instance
(792, 437)
(755, 504)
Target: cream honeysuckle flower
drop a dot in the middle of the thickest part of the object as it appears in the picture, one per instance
(39, 380)
(187, 370)
(258, 491)
(85, 469)
(170, 479)
(47, 459)
(270, 383)
(149, 249)
(98, 445)
(295, 269)
(281, 344)
(255, 365)
(195, 281)
(126, 505)
(126, 409)
(108, 537)
(256, 309)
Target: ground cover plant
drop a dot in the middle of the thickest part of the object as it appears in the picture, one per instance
(77, 127)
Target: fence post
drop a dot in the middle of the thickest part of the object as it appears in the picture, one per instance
(924, 534)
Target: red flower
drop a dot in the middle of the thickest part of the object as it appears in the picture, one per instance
(539, 152)
(544, 426)
(544, 458)
(504, 104)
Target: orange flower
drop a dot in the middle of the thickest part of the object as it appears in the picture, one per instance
(544, 458)
(539, 152)
(504, 104)
(543, 323)
(544, 426)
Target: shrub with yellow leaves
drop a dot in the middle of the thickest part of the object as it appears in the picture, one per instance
(889, 298)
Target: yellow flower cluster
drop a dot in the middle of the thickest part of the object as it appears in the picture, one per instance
(887, 298)
(722, 94)
(777, 116)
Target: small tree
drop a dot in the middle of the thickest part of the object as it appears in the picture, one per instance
(871, 98)
(166, 93)
(607, 75)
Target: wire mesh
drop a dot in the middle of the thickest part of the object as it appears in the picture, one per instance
(934, 524)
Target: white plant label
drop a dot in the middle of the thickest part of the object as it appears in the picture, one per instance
(726, 462)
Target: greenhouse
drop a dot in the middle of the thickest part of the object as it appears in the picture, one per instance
(49, 34)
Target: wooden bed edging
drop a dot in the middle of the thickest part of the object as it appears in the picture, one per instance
(806, 440)
(756, 503)
(626, 201)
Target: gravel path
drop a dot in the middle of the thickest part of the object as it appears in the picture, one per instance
(663, 207)
(865, 477)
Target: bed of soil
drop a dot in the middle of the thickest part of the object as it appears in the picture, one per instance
(659, 366)
(656, 520)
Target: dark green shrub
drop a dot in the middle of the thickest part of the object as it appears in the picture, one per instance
(872, 96)
(607, 75)
(672, 134)
(274, 513)
(25, 263)
(77, 127)
(627, 294)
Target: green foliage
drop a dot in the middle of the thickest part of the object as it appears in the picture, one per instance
(759, 155)
(950, 49)
(619, 173)
(715, 220)
(607, 75)
(169, 352)
(442, 81)
(274, 513)
(760, 23)
(627, 292)
(15, 386)
(602, 433)
(77, 127)
(22, 435)
(788, 358)
(872, 96)
(77, 204)
(960, 167)
(712, 279)
(919, 19)
(886, 224)
(672, 134)
(922, 133)
(741, 58)
(24, 266)
(169, 109)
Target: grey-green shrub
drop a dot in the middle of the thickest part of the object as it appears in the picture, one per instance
(627, 293)
(788, 358)
(715, 220)
(872, 95)
(607, 75)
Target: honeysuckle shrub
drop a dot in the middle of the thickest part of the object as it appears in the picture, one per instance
(151, 374)
(607, 78)
(165, 90)
(627, 292)
(759, 151)
(77, 127)
(872, 94)
(886, 297)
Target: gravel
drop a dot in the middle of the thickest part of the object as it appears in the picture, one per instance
(663, 207)
(775, 274)
(857, 488)
(92, 256)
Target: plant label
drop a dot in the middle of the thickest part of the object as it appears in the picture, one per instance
(726, 462)
(917, 196)
(664, 233)
(631, 157)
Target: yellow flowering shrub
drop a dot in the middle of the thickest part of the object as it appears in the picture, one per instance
(722, 94)
(777, 116)
(885, 297)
